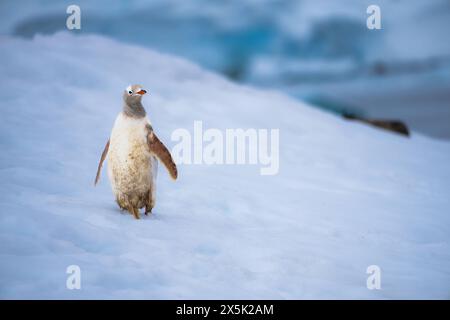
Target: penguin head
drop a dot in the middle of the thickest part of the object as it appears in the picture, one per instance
(133, 94)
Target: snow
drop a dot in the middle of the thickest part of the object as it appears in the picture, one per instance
(209, 32)
(347, 196)
(311, 49)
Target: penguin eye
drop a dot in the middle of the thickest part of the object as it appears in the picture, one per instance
(130, 92)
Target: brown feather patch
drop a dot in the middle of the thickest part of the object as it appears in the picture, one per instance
(160, 151)
(100, 164)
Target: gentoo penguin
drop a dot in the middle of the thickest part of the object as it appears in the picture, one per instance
(133, 150)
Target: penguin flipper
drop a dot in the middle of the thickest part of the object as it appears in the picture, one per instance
(100, 164)
(160, 151)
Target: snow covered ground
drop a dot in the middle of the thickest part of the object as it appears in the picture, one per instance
(314, 50)
(347, 195)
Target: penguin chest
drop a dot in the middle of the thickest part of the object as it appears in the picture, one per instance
(129, 160)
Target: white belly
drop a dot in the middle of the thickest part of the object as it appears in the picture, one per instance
(130, 164)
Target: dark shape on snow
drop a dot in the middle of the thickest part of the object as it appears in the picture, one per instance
(391, 125)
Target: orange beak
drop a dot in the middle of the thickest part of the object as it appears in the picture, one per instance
(142, 92)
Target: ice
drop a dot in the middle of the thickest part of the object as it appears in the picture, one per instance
(347, 196)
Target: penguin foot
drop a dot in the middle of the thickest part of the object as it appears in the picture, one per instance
(135, 212)
(148, 210)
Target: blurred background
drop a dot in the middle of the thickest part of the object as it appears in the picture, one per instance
(316, 50)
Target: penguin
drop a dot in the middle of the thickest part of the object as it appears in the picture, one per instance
(133, 151)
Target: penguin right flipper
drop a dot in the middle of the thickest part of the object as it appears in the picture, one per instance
(160, 151)
(100, 164)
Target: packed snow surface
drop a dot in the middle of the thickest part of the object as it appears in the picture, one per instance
(347, 196)
(316, 50)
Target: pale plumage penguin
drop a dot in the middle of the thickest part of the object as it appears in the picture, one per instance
(132, 151)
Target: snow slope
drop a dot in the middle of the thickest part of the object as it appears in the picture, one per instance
(318, 50)
(347, 196)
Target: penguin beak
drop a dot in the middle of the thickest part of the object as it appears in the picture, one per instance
(141, 92)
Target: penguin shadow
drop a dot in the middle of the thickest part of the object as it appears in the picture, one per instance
(142, 215)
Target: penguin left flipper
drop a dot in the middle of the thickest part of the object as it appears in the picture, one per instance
(100, 164)
(160, 151)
